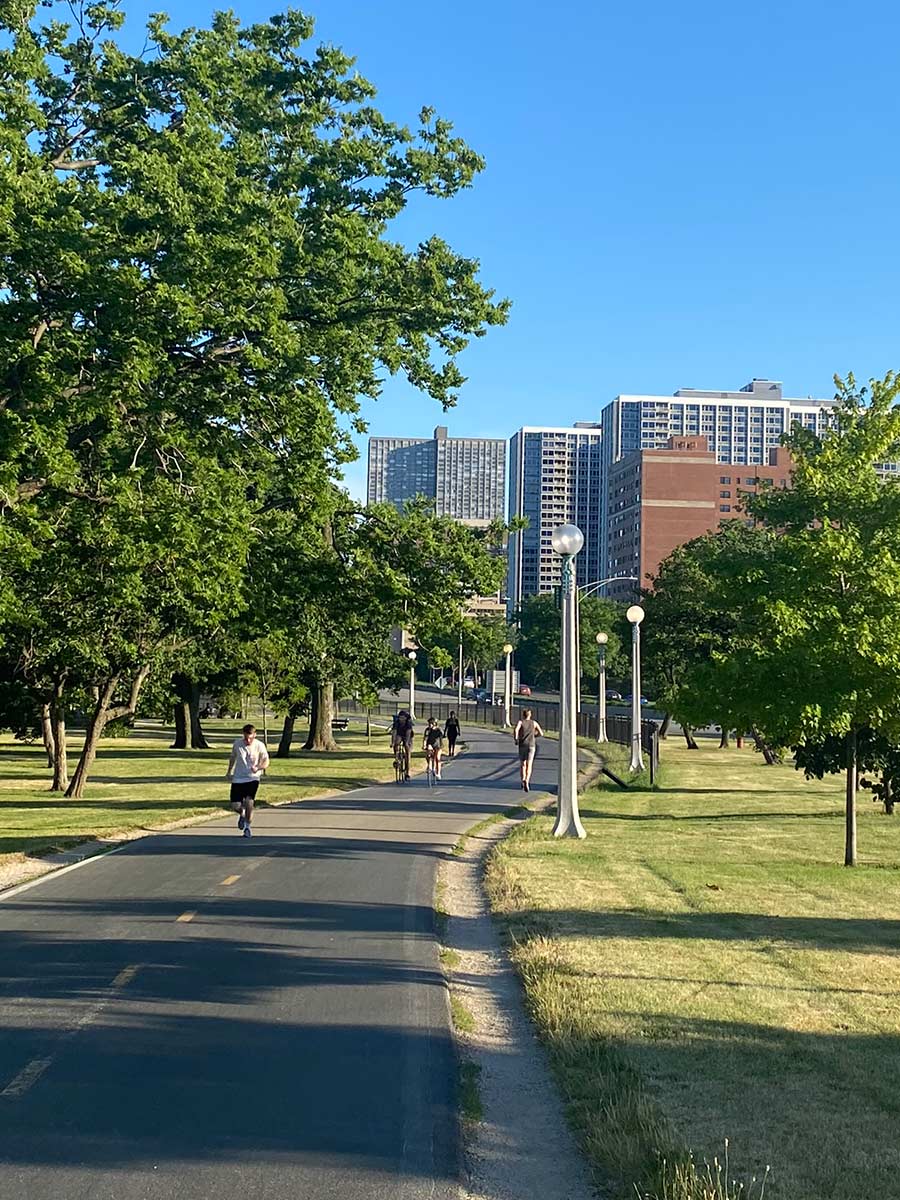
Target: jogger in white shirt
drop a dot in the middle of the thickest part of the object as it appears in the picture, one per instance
(247, 765)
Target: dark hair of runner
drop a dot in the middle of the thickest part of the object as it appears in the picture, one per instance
(526, 713)
(249, 729)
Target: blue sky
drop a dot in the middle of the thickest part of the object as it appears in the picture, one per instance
(676, 195)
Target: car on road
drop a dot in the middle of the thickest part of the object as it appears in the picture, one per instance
(480, 695)
(524, 689)
(627, 700)
(611, 694)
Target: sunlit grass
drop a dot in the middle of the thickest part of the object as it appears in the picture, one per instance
(704, 968)
(139, 782)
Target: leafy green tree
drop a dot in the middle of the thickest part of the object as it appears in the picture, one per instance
(197, 287)
(539, 619)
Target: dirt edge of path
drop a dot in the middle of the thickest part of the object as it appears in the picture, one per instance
(521, 1147)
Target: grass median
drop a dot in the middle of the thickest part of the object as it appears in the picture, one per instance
(138, 783)
(703, 969)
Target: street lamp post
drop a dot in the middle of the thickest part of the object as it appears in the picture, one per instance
(567, 541)
(459, 678)
(602, 639)
(634, 616)
(412, 684)
(507, 691)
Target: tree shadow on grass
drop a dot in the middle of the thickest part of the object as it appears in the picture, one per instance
(589, 814)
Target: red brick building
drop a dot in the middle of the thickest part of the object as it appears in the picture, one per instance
(659, 499)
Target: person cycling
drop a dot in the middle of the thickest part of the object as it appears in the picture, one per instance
(402, 738)
(432, 744)
(451, 733)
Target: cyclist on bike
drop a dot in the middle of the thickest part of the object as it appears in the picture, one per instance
(432, 744)
(402, 732)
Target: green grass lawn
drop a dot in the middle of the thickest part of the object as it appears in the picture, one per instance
(138, 782)
(703, 969)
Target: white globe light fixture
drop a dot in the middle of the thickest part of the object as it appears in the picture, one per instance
(602, 639)
(567, 541)
(634, 615)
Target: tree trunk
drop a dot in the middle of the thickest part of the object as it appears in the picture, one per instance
(58, 722)
(47, 733)
(198, 737)
(850, 815)
(287, 732)
(689, 737)
(887, 795)
(182, 718)
(188, 730)
(664, 728)
(321, 716)
(103, 713)
(764, 748)
(724, 741)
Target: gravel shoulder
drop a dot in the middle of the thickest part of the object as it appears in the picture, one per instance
(522, 1148)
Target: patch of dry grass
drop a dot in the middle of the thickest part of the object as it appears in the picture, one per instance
(703, 968)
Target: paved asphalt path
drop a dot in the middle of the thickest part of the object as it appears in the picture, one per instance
(204, 1016)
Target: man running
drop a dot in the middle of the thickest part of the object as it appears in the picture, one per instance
(526, 733)
(247, 765)
(451, 732)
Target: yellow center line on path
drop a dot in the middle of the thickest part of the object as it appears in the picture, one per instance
(125, 976)
(26, 1077)
(229, 881)
(186, 916)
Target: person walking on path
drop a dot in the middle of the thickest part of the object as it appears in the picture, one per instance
(451, 732)
(526, 733)
(247, 765)
(431, 745)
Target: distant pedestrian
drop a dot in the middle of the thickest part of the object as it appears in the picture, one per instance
(451, 732)
(526, 733)
(247, 765)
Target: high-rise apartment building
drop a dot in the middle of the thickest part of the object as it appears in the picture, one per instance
(555, 476)
(466, 477)
(740, 427)
(659, 499)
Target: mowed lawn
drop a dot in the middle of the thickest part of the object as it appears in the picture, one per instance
(704, 969)
(138, 782)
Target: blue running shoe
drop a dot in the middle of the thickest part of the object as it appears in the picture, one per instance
(247, 832)
(241, 821)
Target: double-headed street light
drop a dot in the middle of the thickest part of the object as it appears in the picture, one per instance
(602, 639)
(412, 684)
(634, 616)
(507, 692)
(567, 541)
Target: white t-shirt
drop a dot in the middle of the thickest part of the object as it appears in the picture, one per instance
(250, 761)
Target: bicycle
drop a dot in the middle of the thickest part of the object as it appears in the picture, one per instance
(430, 774)
(401, 762)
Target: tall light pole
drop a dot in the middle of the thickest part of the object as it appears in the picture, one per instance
(507, 691)
(567, 541)
(412, 684)
(602, 639)
(459, 678)
(634, 616)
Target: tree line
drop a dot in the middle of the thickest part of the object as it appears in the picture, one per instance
(787, 623)
(199, 285)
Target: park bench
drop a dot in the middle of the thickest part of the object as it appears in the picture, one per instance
(340, 723)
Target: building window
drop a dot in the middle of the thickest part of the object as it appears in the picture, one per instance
(724, 479)
(725, 495)
(724, 508)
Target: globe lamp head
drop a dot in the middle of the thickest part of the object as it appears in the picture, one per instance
(567, 540)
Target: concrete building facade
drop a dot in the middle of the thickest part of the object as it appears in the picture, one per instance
(466, 477)
(555, 476)
(658, 499)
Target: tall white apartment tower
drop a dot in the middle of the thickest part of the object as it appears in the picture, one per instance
(555, 476)
(740, 427)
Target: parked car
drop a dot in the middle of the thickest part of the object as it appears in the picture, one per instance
(480, 695)
(627, 700)
(524, 689)
(611, 694)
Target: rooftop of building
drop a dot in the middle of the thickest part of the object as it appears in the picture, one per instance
(760, 391)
